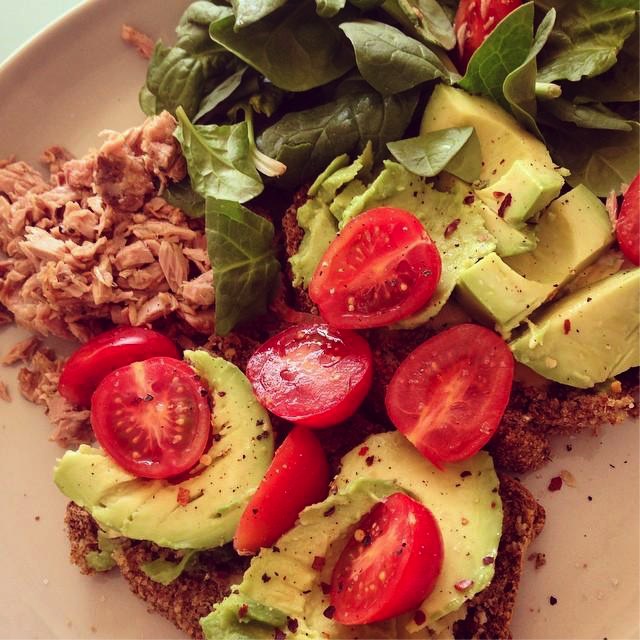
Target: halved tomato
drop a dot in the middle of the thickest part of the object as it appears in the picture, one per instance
(380, 269)
(390, 565)
(298, 476)
(152, 417)
(628, 223)
(448, 396)
(105, 353)
(311, 374)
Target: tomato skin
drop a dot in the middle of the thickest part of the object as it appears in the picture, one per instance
(449, 395)
(382, 268)
(628, 223)
(475, 20)
(152, 417)
(312, 375)
(105, 353)
(400, 553)
(297, 477)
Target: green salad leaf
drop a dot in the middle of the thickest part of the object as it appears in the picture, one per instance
(245, 268)
(295, 49)
(307, 141)
(183, 196)
(423, 19)
(220, 93)
(587, 38)
(390, 61)
(219, 159)
(329, 8)
(165, 571)
(249, 11)
(588, 116)
(505, 49)
(456, 150)
(193, 29)
(102, 558)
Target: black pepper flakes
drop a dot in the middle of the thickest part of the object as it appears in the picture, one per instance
(148, 398)
(329, 612)
(488, 560)
(266, 577)
(222, 394)
(465, 474)
(329, 512)
(419, 617)
(326, 588)
(275, 549)
(553, 600)
(259, 422)
(370, 460)
(470, 199)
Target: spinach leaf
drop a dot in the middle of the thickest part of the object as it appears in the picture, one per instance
(390, 61)
(587, 116)
(601, 160)
(219, 159)
(165, 572)
(505, 49)
(456, 150)
(519, 86)
(329, 8)
(587, 38)
(193, 29)
(295, 49)
(245, 269)
(183, 196)
(249, 11)
(423, 19)
(147, 101)
(306, 141)
(220, 93)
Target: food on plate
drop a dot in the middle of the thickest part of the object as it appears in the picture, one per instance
(376, 286)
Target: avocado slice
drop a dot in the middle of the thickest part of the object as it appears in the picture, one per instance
(283, 578)
(510, 241)
(587, 337)
(145, 509)
(514, 161)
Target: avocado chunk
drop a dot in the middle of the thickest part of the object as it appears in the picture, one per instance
(514, 161)
(587, 337)
(494, 293)
(572, 233)
(145, 509)
(510, 241)
(286, 579)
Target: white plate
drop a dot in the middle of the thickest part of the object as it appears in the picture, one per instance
(64, 87)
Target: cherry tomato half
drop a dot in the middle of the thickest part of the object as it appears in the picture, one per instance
(380, 269)
(628, 224)
(390, 565)
(105, 353)
(311, 374)
(152, 417)
(448, 396)
(475, 20)
(297, 477)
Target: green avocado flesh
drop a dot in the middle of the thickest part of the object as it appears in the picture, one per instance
(587, 337)
(145, 509)
(284, 582)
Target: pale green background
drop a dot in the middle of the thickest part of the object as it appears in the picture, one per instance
(22, 19)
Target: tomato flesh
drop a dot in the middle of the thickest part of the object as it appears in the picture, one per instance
(312, 375)
(628, 223)
(390, 564)
(475, 20)
(448, 396)
(105, 353)
(152, 417)
(382, 268)
(297, 477)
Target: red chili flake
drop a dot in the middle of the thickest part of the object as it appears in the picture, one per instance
(463, 585)
(498, 194)
(493, 505)
(292, 624)
(487, 560)
(329, 512)
(318, 563)
(183, 496)
(370, 460)
(504, 205)
(243, 610)
(363, 451)
(567, 326)
(451, 227)
(329, 611)
(419, 617)
(326, 588)
(470, 199)
(555, 484)
(278, 634)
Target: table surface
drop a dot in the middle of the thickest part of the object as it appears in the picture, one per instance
(24, 19)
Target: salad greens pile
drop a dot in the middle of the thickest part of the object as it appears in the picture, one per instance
(280, 88)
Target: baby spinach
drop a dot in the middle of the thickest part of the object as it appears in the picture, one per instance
(193, 29)
(219, 159)
(329, 8)
(245, 268)
(249, 11)
(165, 572)
(390, 61)
(456, 150)
(505, 49)
(587, 116)
(423, 19)
(220, 93)
(183, 196)
(306, 141)
(295, 49)
(587, 38)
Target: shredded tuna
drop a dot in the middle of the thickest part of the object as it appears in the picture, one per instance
(4, 392)
(141, 41)
(22, 351)
(98, 244)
